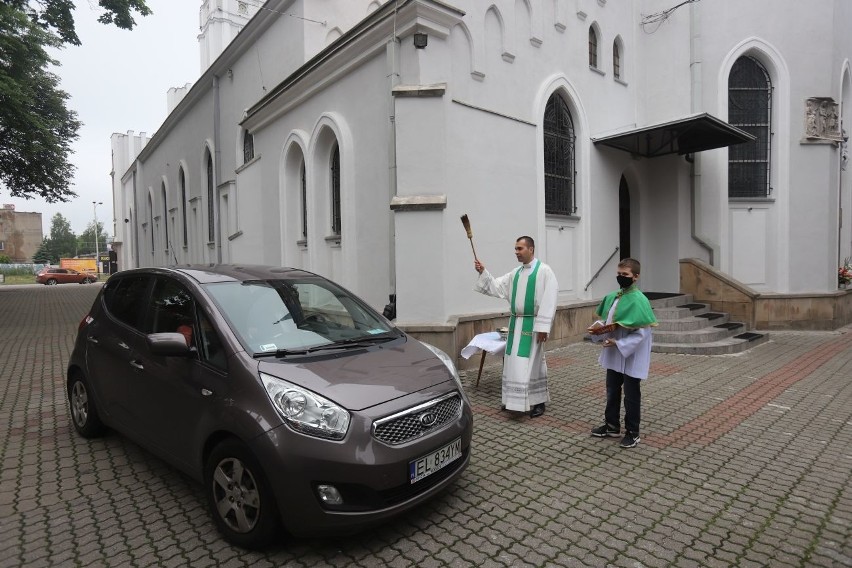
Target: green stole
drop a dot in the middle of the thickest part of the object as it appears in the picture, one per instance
(633, 310)
(525, 344)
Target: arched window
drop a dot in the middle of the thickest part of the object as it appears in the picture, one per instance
(248, 147)
(303, 181)
(165, 215)
(750, 109)
(335, 190)
(593, 47)
(211, 229)
(151, 220)
(559, 174)
(182, 184)
(616, 60)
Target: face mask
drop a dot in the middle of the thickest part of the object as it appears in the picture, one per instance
(624, 281)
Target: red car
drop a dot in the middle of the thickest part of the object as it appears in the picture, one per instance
(52, 276)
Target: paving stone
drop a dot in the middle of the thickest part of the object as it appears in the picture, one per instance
(722, 477)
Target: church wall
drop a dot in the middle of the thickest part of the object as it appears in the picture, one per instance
(360, 260)
(479, 145)
(781, 231)
(511, 73)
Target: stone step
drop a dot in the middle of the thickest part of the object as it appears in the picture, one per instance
(667, 300)
(692, 323)
(725, 346)
(702, 335)
(681, 311)
(689, 327)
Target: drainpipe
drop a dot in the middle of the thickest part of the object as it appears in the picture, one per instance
(695, 105)
(217, 170)
(393, 81)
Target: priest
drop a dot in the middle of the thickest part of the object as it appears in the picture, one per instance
(531, 291)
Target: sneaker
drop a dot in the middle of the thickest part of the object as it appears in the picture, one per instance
(605, 431)
(630, 440)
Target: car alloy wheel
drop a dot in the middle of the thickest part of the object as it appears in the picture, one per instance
(51, 282)
(84, 413)
(240, 499)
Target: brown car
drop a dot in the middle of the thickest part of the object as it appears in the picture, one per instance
(53, 276)
(290, 399)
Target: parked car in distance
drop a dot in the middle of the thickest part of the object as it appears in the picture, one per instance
(53, 276)
(295, 404)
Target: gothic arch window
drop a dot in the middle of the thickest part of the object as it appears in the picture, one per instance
(616, 60)
(248, 147)
(593, 47)
(165, 215)
(303, 184)
(182, 184)
(335, 190)
(211, 229)
(151, 218)
(559, 158)
(750, 109)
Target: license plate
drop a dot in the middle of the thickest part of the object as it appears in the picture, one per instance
(432, 462)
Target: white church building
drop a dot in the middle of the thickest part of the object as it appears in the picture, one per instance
(347, 137)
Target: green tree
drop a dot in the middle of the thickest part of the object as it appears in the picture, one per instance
(36, 127)
(4, 259)
(86, 239)
(45, 254)
(63, 241)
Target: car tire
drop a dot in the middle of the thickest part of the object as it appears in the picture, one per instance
(84, 411)
(240, 498)
(51, 282)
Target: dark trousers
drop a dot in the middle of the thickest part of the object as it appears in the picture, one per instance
(632, 400)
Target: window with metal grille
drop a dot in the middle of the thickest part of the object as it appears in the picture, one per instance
(559, 172)
(303, 179)
(248, 147)
(593, 47)
(335, 190)
(616, 60)
(182, 183)
(211, 232)
(750, 109)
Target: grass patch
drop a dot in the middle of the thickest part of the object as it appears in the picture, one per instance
(19, 279)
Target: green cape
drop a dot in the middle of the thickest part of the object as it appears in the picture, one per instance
(633, 310)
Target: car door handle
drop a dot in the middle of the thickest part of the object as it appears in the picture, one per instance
(92, 339)
(206, 392)
(123, 345)
(137, 365)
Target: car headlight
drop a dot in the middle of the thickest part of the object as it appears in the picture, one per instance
(306, 411)
(445, 359)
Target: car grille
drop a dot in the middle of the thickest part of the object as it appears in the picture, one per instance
(418, 421)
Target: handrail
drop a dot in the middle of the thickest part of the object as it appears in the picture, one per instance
(589, 283)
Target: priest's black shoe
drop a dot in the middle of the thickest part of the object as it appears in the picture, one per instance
(537, 410)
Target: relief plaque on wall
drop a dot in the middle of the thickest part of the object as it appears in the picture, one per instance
(822, 120)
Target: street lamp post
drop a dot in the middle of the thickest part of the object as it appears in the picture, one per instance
(97, 252)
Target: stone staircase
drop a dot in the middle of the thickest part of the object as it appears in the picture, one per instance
(688, 327)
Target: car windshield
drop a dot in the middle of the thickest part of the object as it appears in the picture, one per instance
(279, 316)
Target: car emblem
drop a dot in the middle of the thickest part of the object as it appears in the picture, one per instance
(428, 419)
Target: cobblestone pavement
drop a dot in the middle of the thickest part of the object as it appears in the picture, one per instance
(745, 460)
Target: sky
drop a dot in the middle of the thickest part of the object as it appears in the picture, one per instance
(117, 81)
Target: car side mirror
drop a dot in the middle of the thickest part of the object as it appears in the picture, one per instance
(170, 344)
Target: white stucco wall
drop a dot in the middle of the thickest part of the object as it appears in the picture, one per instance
(476, 140)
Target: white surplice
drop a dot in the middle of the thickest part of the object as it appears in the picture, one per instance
(631, 353)
(525, 378)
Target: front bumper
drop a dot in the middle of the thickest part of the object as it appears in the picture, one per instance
(372, 477)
